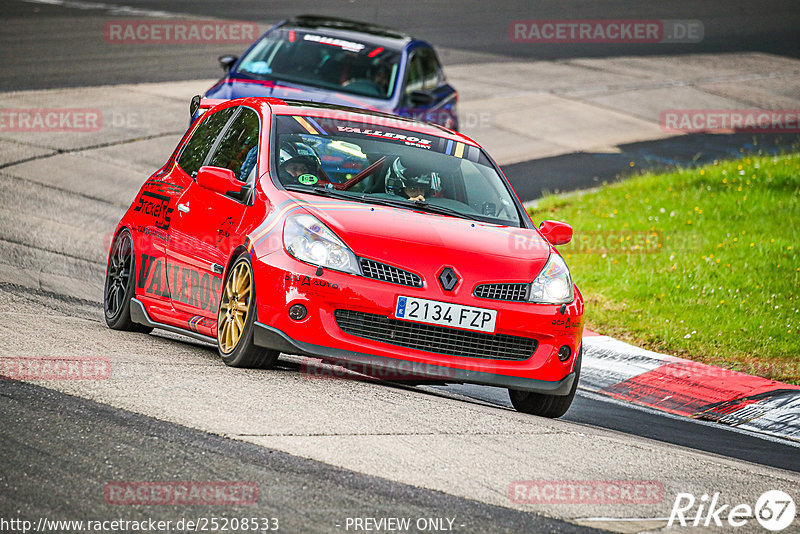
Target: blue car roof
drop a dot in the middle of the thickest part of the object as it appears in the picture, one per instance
(343, 28)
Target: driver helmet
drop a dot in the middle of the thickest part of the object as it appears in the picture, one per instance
(293, 147)
(311, 163)
(404, 174)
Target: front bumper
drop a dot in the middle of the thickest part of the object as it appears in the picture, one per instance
(268, 337)
(282, 281)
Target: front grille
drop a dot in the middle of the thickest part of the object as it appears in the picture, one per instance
(513, 292)
(387, 273)
(432, 338)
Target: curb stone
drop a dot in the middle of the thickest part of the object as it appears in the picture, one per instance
(691, 389)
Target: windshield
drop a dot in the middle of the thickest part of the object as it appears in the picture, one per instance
(323, 61)
(390, 165)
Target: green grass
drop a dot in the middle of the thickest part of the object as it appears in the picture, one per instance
(701, 262)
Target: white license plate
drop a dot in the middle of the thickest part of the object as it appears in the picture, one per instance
(445, 314)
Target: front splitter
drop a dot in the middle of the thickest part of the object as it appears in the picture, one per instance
(404, 370)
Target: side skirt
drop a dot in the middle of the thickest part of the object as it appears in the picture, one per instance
(139, 315)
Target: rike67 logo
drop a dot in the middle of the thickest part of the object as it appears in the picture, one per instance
(157, 206)
(774, 510)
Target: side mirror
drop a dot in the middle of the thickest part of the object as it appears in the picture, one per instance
(227, 61)
(420, 98)
(556, 232)
(194, 106)
(219, 180)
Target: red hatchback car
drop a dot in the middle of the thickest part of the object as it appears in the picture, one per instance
(353, 237)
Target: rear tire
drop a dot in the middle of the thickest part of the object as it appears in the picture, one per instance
(235, 319)
(546, 405)
(120, 281)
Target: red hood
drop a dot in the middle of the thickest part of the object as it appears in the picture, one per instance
(425, 243)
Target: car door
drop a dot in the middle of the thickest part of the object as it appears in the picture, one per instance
(206, 228)
(150, 220)
(156, 210)
(426, 94)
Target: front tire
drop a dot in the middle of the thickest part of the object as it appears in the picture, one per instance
(120, 280)
(235, 318)
(546, 405)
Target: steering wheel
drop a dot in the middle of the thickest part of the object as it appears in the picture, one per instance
(364, 86)
(504, 208)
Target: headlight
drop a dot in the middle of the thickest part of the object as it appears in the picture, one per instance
(308, 240)
(554, 283)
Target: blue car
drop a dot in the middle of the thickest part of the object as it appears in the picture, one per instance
(342, 62)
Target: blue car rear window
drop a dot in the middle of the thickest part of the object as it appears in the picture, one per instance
(324, 61)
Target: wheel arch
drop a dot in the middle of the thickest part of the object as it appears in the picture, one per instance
(136, 241)
(120, 228)
(237, 252)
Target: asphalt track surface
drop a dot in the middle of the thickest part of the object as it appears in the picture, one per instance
(44, 45)
(41, 47)
(116, 445)
(596, 410)
(580, 170)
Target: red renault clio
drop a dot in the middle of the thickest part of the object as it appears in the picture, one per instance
(354, 237)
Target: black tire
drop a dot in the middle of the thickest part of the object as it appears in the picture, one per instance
(120, 281)
(546, 405)
(243, 352)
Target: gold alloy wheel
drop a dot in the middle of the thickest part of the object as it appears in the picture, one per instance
(234, 307)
